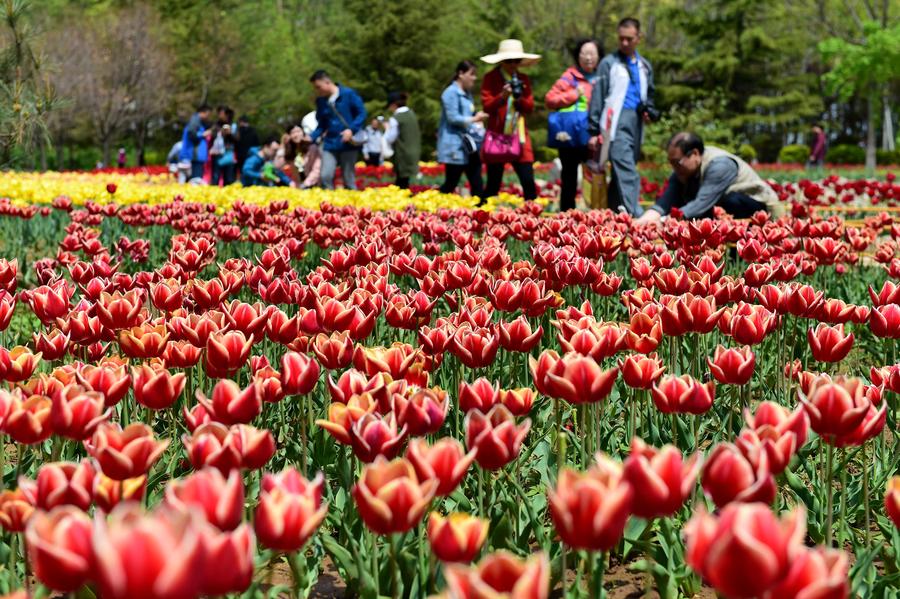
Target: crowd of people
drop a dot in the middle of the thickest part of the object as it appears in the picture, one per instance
(599, 106)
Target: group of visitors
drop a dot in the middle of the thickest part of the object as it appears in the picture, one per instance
(600, 109)
(309, 152)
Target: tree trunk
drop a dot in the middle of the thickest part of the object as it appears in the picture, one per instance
(870, 134)
(887, 124)
(107, 151)
(140, 139)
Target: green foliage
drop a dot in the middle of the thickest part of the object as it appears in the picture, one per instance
(863, 67)
(845, 154)
(793, 154)
(887, 157)
(698, 117)
(746, 152)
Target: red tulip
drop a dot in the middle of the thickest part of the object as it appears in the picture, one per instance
(75, 413)
(891, 501)
(748, 324)
(375, 435)
(835, 407)
(590, 509)
(226, 352)
(421, 411)
(257, 446)
(729, 476)
(300, 373)
(390, 497)
(683, 394)
(884, 321)
(475, 348)
(220, 499)
(167, 296)
(746, 550)
(644, 332)
(233, 554)
(123, 454)
(51, 346)
(518, 335)
(109, 493)
(230, 404)
(290, 510)
(446, 462)
(579, 379)
(829, 344)
(28, 420)
(213, 444)
(501, 575)
(112, 381)
(59, 547)
(517, 401)
(158, 555)
(143, 342)
(640, 371)
(783, 421)
(661, 479)
(333, 352)
(481, 395)
(15, 510)
(118, 311)
(19, 363)
(155, 387)
(814, 573)
(495, 436)
(456, 538)
(732, 366)
(61, 483)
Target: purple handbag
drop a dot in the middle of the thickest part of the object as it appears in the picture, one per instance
(500, 148)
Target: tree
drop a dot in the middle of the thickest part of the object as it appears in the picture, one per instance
(865, 68)
(26, 95)
(115, 70)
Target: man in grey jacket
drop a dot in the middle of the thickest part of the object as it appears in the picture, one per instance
(621, 102)
(704, 177)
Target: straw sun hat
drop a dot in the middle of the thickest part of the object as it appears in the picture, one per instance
(511, 50)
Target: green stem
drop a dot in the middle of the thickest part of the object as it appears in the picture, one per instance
(829, 510)
(395, 567)
(297, 562)
(865, 460)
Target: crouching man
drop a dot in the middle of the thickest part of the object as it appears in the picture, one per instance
(705, 177)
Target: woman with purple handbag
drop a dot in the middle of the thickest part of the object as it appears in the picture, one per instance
(507, 97)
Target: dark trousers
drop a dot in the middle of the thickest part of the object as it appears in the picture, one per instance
(472, 170)
(197, 169)
(735, 203)
(225, 174)
(571, 159)
(525, 172)
(402, 182)
(373, 159)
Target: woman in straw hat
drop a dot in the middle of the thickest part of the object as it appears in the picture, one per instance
(507, 97)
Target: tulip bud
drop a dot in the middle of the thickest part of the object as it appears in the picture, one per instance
(501, 574)
(220, 499)
(390, 497)
(495, 436)
(59, 547)
(456, 538)
(290, 510)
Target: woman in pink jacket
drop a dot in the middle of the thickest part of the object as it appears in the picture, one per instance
(573, 90)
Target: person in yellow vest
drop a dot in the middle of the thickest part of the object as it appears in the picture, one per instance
(705, 177)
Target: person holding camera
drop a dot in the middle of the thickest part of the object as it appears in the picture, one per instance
(507, 97)
(571, 94)
(621, 103)
(461, 131)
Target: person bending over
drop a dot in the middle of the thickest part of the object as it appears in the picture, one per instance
(705, 177)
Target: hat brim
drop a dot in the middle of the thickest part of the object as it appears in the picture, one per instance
(527, 59)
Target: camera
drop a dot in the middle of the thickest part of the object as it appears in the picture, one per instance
(516, 85)
(653, 113)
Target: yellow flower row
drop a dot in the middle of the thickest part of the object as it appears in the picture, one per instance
(42, 188)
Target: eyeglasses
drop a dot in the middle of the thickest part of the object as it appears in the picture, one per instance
(680, 162)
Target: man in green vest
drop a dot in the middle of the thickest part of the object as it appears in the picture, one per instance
(705, 177)
(405, 138)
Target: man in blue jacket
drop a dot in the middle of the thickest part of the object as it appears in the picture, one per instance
(194, 147)
(341, 115)
(258, 169)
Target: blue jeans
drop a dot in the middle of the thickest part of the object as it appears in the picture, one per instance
(197, 169)
(347, 160)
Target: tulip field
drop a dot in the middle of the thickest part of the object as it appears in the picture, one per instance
(342, 395)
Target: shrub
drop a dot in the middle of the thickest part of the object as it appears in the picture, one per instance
(845, 154)
(887, 157)
(747, 153)
(793, 154)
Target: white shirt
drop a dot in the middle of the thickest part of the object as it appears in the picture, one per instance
(394, 127)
